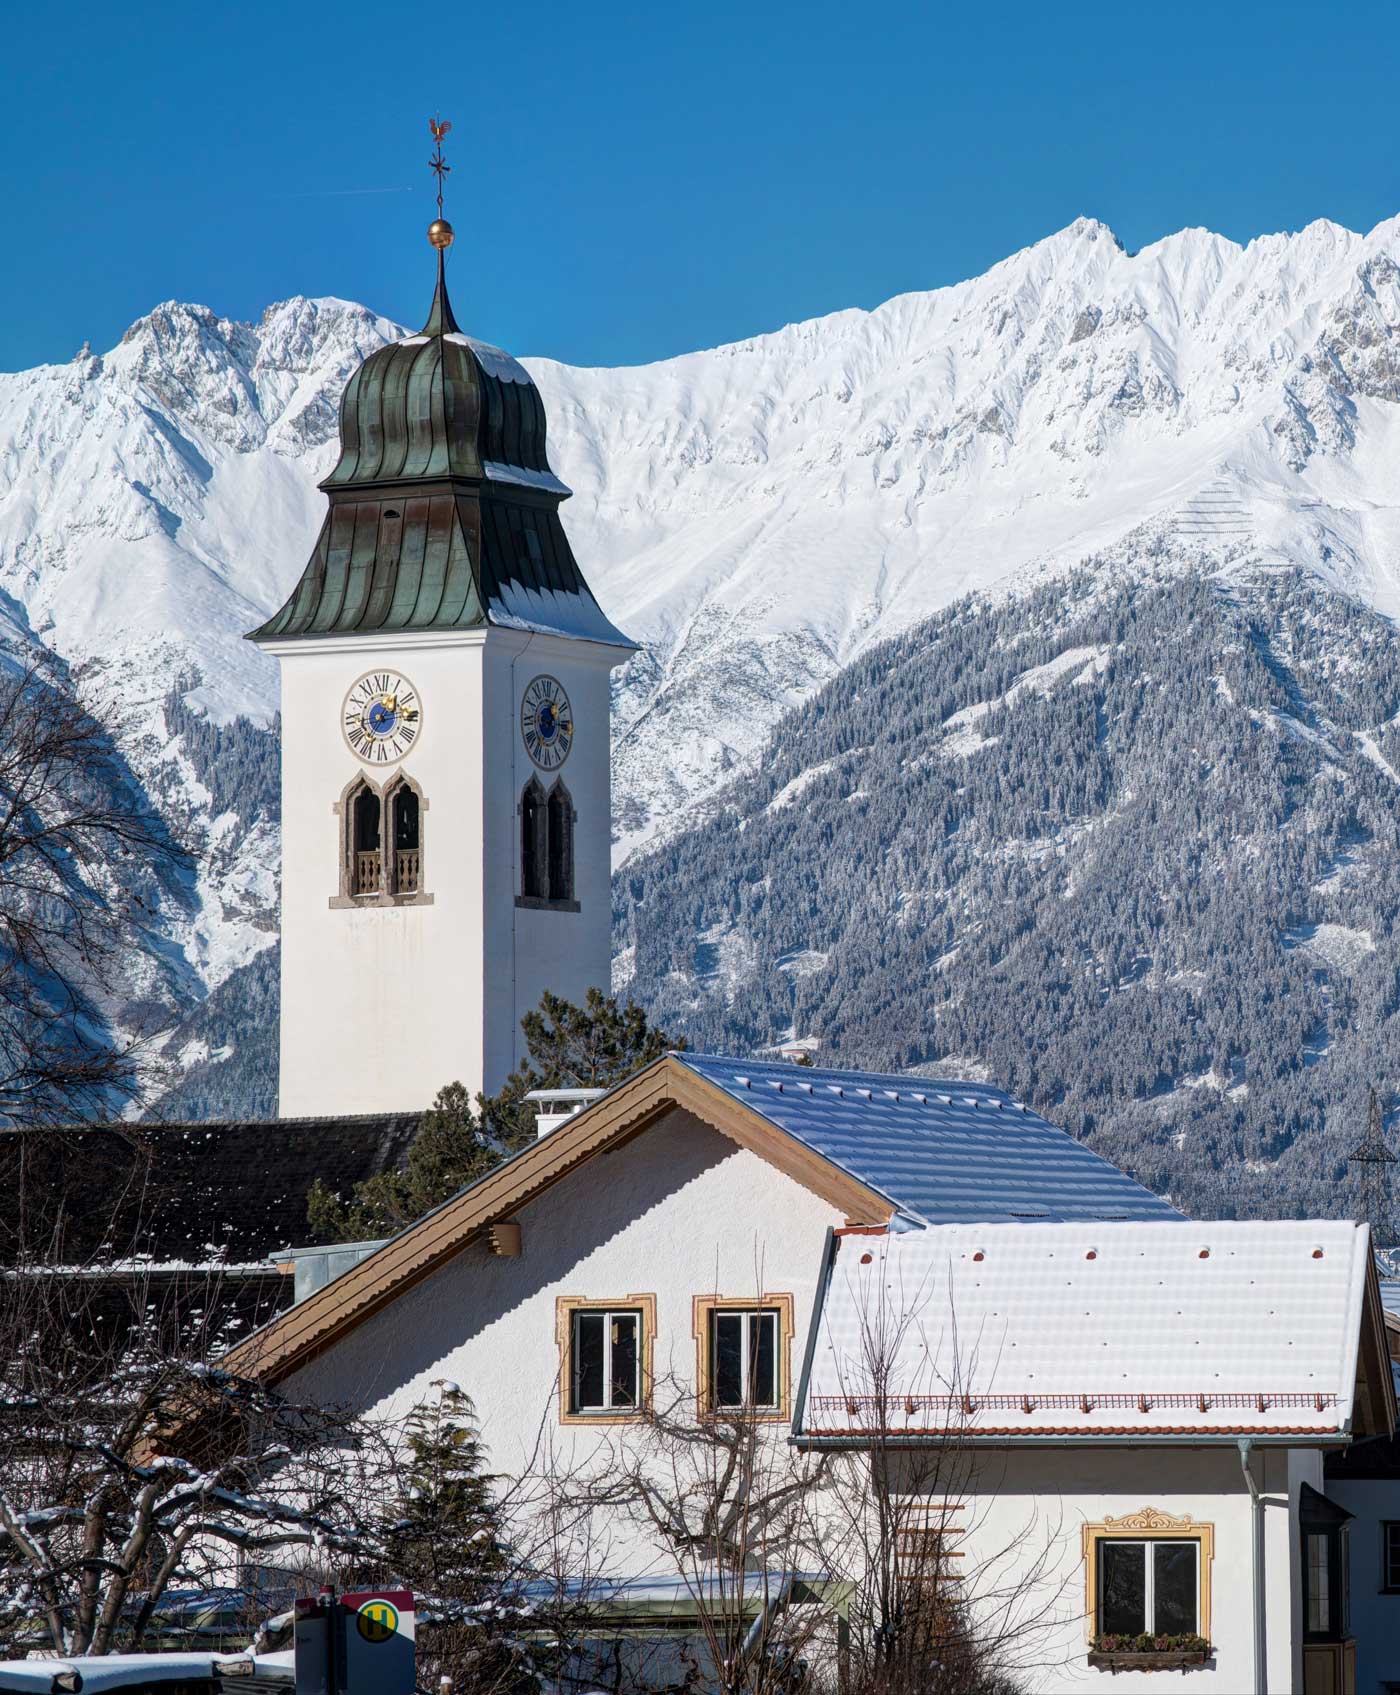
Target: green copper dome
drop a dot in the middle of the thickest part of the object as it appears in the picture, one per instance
(443, 511)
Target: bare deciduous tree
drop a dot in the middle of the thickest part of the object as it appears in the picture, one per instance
(131, 1465)
(946, 1598)
(79, 848)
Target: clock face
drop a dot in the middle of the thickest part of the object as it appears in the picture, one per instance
(382, 717)
(547, 723)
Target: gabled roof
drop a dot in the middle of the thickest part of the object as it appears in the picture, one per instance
(844, 1147)
(186, 1195)
(1093, 1330)
(943, 1152)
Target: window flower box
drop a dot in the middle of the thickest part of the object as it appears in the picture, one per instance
(1148, 1653)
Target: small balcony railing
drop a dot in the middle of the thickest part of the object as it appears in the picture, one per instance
(367, 873)
(407, 871)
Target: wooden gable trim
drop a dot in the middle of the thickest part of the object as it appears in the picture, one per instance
(1374, 1411)
(629, 1110)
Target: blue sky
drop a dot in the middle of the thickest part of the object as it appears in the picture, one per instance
(630, 183)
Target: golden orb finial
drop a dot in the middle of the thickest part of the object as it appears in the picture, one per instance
(441, 233)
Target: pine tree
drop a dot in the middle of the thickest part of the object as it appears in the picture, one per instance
(447, 1545)
(593, 1046)
(450, 1150)
(447, 1540)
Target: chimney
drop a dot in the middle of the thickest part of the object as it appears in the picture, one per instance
(554, 1107)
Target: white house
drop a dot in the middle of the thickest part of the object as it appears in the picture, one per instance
(1145, 1414)
(1113, 1356)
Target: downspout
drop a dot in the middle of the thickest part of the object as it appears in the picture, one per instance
(1256, 1509)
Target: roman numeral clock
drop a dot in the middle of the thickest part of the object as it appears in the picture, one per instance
(547, 723)
(382, 717)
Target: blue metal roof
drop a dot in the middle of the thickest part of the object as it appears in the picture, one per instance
(942, 1152)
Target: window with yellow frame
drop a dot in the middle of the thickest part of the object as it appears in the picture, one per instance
(1148, 1574)
(743, 1356)
(605, 1358)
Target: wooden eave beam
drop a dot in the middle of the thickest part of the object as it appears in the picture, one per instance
(295, 1338)
(1375, 1382)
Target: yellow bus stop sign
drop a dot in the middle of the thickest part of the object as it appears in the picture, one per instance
(377, 1621)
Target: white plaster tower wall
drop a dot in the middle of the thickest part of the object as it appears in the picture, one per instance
(383, 1004)
(380, 1004)
(565, 952)
(441, 598)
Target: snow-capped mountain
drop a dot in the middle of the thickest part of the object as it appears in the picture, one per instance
(756, 515)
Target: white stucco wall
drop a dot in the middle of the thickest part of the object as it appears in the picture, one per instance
(1375, 1617)
(679, 1211)
(382, 1005)
(1027, 1507)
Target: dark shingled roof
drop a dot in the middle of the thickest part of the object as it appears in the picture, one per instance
(444, 513)
(191, 1194)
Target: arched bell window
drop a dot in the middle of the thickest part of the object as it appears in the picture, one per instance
(547, 846)
(366, 865)
(406, 825)
(561, 844)
(534, 842)
(382, 843)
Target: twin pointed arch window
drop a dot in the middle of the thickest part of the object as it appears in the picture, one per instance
(383, 840)
(547, 846)
(382, 844)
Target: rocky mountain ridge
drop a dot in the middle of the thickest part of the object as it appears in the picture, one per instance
(759, 515)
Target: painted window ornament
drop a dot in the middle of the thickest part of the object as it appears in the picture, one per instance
(382, 717)
(546, 723)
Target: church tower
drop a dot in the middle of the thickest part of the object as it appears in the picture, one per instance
(445, 737)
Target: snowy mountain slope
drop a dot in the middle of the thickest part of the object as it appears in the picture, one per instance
(757, 515)
(1126, 845)
(784, 502)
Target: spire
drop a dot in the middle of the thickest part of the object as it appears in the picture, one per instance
(1373, 1158)
(440, 234)
(440, 319)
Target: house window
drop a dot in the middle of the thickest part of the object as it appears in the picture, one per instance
(1324, 1528)
(605, 1358)
(1149, 1586)
(1148, 1573)
(743, 1351)
(744, 1359)
(547, 847)
(1390, 1556)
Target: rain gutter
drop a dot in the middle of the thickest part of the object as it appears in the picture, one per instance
(1148, 1439)
(1256, 1510)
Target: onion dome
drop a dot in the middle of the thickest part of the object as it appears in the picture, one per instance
(443, 510)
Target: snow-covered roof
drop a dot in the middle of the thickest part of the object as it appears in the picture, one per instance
(942, 1152)
(1090, 1330)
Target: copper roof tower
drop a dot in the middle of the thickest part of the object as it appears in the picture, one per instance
(443, 511)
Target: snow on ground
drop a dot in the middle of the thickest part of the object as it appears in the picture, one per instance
(1371, 749)
(803, 962)
(1335, 945)
(804, 779)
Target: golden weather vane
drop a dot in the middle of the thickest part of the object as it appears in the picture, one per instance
(439, 231)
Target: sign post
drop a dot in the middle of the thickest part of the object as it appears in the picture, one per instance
(356, 1644)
